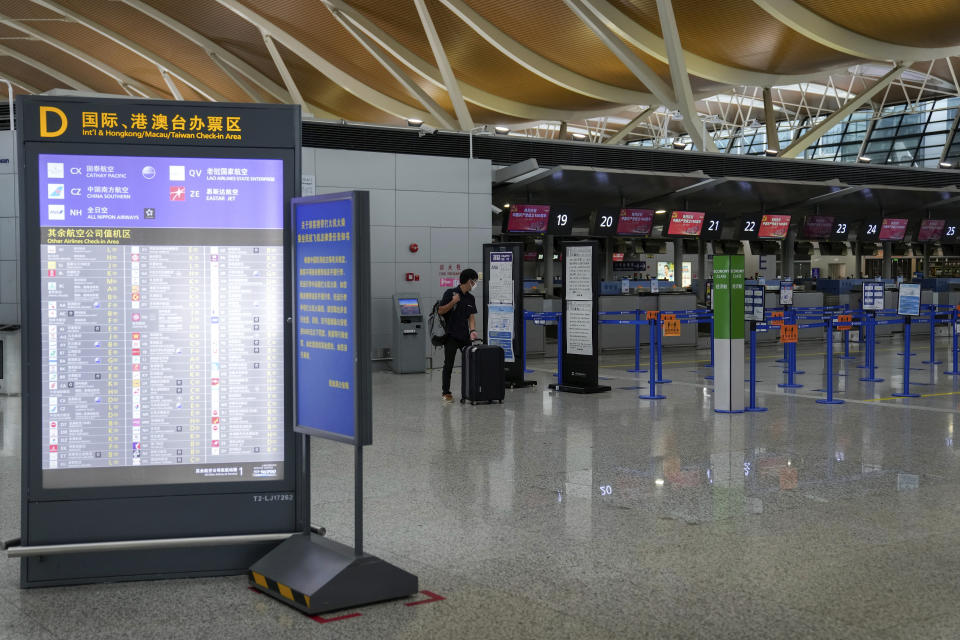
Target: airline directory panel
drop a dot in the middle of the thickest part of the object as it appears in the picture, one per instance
(162, 320)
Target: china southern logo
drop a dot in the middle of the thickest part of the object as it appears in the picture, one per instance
(53, 122)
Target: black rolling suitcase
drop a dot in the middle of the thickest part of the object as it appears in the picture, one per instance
(483, 375)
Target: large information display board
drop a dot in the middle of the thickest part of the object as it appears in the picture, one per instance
(162, 292)
(331, 248)
(156, 360)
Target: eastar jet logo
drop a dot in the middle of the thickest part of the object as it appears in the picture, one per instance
(178, 194)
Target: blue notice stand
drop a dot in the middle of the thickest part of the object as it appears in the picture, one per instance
(752, 407)
(653, 395)
(956, 348)
(870, 361)
(906, 362)
(829, 399)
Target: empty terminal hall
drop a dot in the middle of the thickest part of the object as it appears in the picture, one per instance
(614, 319)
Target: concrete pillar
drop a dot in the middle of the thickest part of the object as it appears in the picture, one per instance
(701, 270)
(788, 261)
(678, 263)
(858, 266)
(887, 264)
(548, 265)
(926, 259)
(608, 260)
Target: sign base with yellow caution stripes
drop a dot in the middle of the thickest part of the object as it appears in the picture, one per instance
(316, 575)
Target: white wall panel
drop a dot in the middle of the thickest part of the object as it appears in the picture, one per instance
(426, 173)
(8, 282)
(8, 196)
(431, 209)
(447, 244)
(481, 175)
(382, 276)
(355, 169)
(383, 244)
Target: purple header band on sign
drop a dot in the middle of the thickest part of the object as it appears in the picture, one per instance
(160, 193)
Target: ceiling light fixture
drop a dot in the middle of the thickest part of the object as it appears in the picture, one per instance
(661, 211)
(579, 136)
(414, 122)
(863, 159)
(679, 144)
(945, 165)
(502, 130)
(771, 153)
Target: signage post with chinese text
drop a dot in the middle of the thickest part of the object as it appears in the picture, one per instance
(503, 307)
(157, 367)
(728, 310)
(580, 347)
(331, 262)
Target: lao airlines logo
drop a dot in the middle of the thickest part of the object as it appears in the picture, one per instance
(178, 194)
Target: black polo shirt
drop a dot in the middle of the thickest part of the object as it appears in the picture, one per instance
(458, 318)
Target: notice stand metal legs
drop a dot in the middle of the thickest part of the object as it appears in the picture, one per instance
(659, 337)
(791, 383)
(906, 363)
(753, 371)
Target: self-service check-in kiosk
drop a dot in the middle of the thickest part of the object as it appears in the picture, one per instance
(409, 335)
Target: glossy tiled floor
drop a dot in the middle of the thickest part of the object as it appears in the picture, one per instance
(606, 516)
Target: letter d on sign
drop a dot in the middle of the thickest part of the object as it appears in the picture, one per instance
(45, 131)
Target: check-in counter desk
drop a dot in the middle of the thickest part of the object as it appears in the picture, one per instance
(534, 331)
(614, 336)
(809, 299)
(668, 302)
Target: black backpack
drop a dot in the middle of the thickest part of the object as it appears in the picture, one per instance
(438, 326)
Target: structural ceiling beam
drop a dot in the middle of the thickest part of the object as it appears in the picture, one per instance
(359, 89)
(652, 44)
(628, 128)
(394, 70)
(29, 88)
(285, 73)
(834, 36)
(236, 77)
(45, 68)
(650, 78)
(431, 73)
(187, 78)
(541, 66)
(127, 83)
(852, 105)
(681, 81)
(446, 71)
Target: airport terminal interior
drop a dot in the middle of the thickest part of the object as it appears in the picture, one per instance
(689, 271)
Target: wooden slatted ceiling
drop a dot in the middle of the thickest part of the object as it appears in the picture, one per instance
(738, 33)
(556, 33)
(915, 23)
(69, 65)
(164, 42)
(88, 41)
(473, 59)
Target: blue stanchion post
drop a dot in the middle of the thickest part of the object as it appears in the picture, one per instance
(906, 363)
(636, 345)
(791, 353)
(753, 370)
(956, 348)
(829, 399)
(524, 351)
(653, 395)
(870, 321)
(710, 366)
(659, 334)
(559, 373)
(933, 332)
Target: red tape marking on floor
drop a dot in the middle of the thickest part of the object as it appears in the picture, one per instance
(323, 620)
(433, 597)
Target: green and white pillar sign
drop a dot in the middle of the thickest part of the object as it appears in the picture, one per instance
(728, 329)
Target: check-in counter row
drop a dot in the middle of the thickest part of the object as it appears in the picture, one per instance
(615, 337)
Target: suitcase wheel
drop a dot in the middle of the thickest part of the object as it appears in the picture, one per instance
(461, 400)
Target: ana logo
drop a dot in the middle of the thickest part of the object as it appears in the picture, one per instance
(59, 119)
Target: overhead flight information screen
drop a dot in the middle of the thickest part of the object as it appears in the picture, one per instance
(773, 227)
(635, 222)
(893, 229)
(931, 230)
(162, 319)
(685, 223)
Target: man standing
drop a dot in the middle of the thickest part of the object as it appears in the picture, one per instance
(459, 308)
